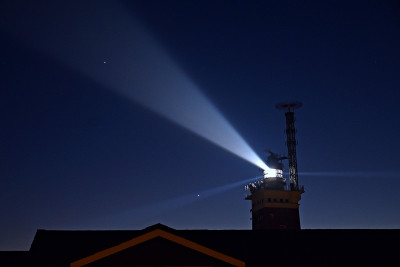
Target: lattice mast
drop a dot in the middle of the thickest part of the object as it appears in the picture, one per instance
(291, 141)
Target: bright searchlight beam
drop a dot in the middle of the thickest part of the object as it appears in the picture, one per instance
(113, 49)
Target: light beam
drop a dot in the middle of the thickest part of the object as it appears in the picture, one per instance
(365, 174)
(168, 205)
(137, 66)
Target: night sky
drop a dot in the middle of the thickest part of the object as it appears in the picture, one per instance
(79, 152)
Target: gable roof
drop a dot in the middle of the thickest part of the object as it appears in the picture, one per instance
(151, 235)
(255, 247)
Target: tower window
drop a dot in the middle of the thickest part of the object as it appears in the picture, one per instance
(269, 199)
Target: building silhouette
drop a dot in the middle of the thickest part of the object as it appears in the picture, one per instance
(159, 245)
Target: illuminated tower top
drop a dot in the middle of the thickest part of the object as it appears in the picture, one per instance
(291, 141)
(273, 204)
(271, 180)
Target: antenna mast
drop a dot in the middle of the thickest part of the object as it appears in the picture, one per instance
(291, 141)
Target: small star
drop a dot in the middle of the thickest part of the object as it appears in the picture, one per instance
(105, 62)
(198, 195)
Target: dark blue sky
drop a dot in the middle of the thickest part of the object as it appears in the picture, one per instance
(77, 155)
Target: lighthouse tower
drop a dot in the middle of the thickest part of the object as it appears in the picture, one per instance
(274, 204)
